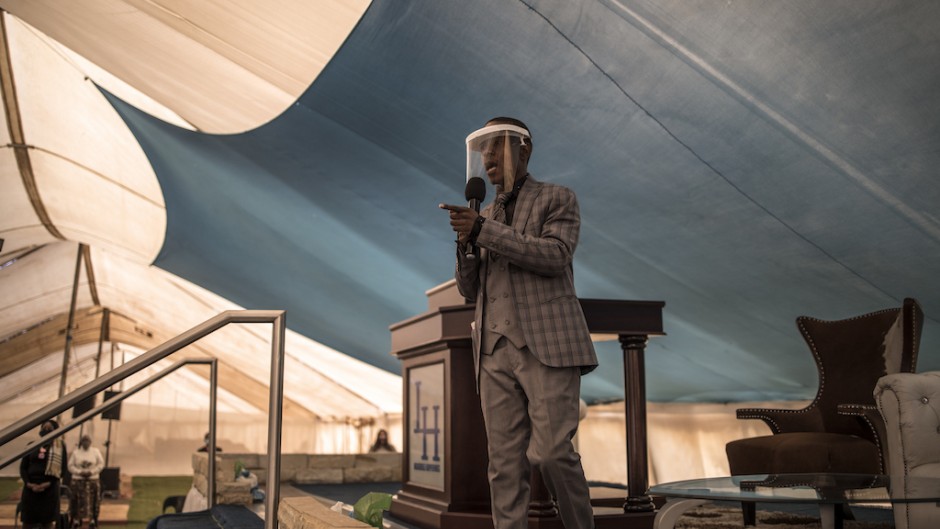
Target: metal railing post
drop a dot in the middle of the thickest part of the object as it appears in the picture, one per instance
(213, 389)
(101, 408)
(278, 320)
(154, 355)
(274, 421)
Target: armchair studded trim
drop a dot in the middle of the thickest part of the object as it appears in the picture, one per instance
(888, 337)
(779, 420)
(872, 418)
(850, 355)
(837, 432)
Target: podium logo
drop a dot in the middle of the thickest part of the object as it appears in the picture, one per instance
(425, 430)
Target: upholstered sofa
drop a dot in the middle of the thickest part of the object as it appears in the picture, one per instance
(910, 406)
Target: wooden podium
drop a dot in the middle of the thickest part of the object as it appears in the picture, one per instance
(444, 456)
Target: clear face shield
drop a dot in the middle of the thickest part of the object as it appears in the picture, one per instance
(493, 153)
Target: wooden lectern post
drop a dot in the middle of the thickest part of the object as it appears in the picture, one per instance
(444, 456)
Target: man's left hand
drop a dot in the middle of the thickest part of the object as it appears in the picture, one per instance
(462, 220)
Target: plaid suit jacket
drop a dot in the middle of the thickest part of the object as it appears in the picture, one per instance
(539, 246)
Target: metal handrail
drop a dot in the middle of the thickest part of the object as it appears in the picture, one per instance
(118, 398)
(277, 318)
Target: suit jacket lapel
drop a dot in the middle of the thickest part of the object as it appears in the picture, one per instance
(488, 213)
(527, 195)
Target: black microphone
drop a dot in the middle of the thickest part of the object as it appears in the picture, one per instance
(475, 192)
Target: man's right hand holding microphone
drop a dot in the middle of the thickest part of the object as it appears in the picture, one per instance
(466, 221)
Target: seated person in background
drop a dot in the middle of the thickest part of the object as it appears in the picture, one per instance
(381, 443)
(205, 445)
(85, 464)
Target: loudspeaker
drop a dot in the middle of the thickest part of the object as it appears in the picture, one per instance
(114, 414)
(83, 406)
(111, 479)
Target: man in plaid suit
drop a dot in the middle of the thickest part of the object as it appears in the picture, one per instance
(530, 340)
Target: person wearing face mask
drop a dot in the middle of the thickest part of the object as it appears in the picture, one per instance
(205, 445)
(41, 470)
(530, 340)
(85, 464)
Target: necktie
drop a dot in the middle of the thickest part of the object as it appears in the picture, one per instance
(499, 215)
(499, 211)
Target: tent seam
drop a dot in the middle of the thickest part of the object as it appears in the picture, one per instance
(15, 127)
(713, 168)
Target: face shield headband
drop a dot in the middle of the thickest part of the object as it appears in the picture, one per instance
(493, 153)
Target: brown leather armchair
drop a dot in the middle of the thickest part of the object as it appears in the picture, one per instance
(841, 430)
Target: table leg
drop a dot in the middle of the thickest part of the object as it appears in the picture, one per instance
(669, 514)
(830, 516)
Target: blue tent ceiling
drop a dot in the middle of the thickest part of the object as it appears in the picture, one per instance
(746, 162)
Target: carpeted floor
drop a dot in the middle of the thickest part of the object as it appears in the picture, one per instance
(728, 516)
(717, 515)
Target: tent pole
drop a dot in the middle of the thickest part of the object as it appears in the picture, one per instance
(103, 334)
(68, 329)
(107, 447)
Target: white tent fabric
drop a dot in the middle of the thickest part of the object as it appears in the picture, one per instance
(213, 61)
(686, 440)
(333, 403)
(162, 425)
(93, 184)
(82, 157)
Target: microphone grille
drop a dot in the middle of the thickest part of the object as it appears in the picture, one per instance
(476, 189)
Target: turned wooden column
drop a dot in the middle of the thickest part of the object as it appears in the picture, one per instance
(632, 323)
(634, 382)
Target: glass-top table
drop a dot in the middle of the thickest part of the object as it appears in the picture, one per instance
(825, 490)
